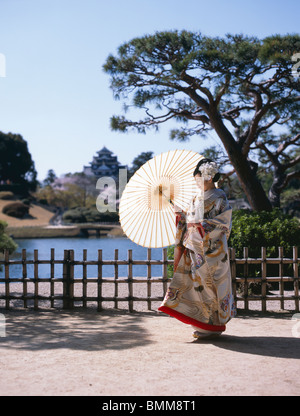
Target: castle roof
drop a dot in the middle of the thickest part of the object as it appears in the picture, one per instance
(103, 167)
(104, 150)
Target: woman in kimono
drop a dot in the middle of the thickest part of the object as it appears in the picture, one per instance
(200, 292)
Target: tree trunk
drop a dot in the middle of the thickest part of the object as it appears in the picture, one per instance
(275, 190)
(252, 187)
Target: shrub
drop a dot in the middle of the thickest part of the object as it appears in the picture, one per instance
(73, 216)
(6, 195)
(26, 201)
(43, 201)
(88, 215)
(264, 229)
(6, 242)
(16, 209)
(170, 255)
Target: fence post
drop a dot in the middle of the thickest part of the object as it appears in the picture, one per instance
(52, 277)
(99, 280)
(68, 276)
(296, 277)
(116, 268)
(263, 279)
(246, 274)
(6, 268)
(281, 283)
(130, 283)
(24, 276)
(84, 277)
(165, 269)
(36, 279)
(233, 272)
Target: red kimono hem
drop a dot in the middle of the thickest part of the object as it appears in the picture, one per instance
(190, 321)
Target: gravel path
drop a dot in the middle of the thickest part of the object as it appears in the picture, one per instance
(114, 353)
(145, 353)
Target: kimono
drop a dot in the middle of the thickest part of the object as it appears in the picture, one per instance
(200, 293)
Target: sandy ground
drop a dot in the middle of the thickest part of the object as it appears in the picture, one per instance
(112, 353)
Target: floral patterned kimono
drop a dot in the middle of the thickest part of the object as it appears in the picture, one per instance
(200, 292)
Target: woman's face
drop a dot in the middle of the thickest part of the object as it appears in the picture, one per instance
(202, 184)
(199, 181)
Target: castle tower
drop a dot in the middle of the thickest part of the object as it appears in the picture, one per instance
(105, 163)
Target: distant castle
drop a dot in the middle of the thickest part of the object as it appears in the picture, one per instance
(105, 163)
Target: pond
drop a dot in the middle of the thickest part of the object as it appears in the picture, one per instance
(92, 245)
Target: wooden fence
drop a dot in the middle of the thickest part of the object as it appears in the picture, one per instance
(31, 289)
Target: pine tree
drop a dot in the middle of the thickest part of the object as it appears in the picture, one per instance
(242, 88)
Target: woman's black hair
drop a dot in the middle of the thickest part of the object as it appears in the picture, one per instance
(202, 161)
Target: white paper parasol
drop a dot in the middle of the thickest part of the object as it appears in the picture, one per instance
(146, 213)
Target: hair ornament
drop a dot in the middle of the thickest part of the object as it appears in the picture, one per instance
(208, 170)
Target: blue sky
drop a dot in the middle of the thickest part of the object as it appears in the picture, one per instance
(55, 93)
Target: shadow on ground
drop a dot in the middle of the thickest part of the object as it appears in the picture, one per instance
(266, 345)
(269, 346)
(79, 330)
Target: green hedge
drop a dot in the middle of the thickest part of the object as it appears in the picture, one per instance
(264, 229)
(6, 242)
(88, 215)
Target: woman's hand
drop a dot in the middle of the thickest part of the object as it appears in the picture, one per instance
(177, 210)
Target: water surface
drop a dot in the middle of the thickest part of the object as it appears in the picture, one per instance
(92, 245)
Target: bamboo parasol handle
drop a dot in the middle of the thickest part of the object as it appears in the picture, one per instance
(168, 199)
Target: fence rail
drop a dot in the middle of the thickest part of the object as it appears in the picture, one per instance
(75, 291)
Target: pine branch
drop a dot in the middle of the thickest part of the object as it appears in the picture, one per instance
(288, 142)
(288, 178)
